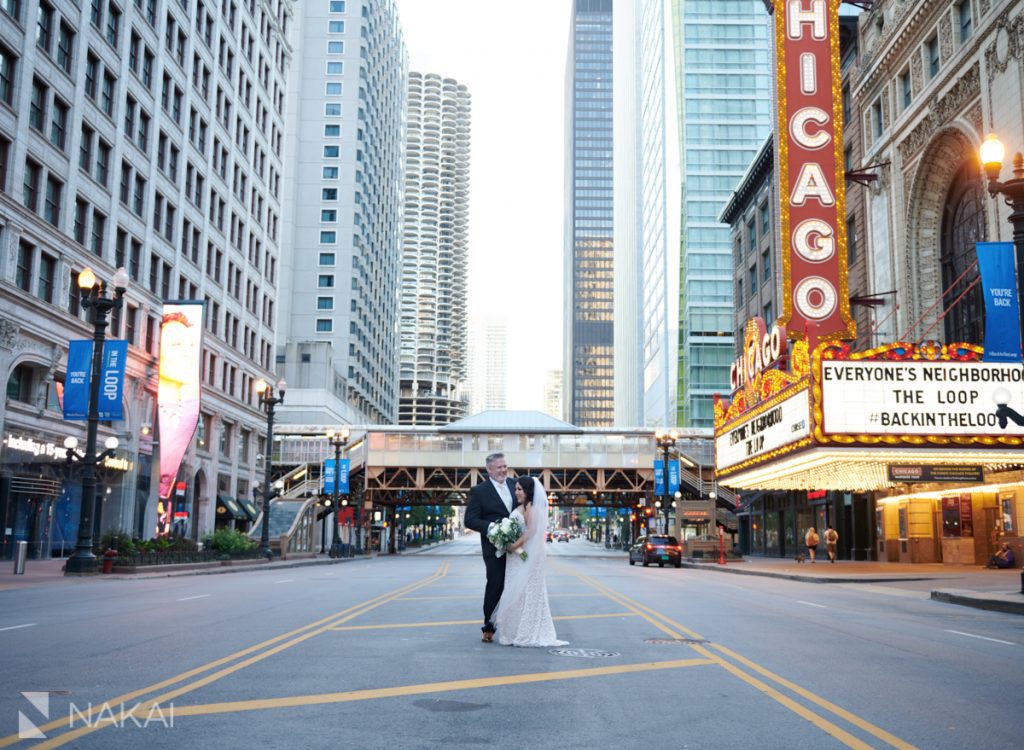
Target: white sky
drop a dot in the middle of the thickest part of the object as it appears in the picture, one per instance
(512, 57)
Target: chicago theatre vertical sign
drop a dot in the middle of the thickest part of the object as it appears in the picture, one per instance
(810, 169)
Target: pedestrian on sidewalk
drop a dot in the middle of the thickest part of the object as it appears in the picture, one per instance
(1003, 558)
(811, 540)
(831, 539)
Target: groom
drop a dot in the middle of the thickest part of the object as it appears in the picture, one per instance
(491, 500)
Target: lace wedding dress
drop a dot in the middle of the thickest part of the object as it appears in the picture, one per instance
(523, 617)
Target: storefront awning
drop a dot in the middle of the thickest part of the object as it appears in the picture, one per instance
(228, 507)
(249, 507)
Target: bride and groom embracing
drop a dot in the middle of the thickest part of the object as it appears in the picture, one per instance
(516, 597)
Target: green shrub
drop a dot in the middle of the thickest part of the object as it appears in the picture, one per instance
(229, 541)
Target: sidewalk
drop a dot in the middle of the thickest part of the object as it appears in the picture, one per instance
(51, 572)
(967, 585)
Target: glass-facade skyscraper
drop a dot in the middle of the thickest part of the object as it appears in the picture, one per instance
(588, 368)
(724, 91)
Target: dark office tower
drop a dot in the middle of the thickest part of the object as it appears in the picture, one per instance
(589, 373)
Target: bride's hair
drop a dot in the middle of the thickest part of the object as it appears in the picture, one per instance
(526, 482)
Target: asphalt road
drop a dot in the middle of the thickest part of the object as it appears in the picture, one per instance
(385, 653)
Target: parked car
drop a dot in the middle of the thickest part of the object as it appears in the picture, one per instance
(563, 536)
(656, 548)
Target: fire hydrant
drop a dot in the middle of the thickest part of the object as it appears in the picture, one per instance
(108, 560)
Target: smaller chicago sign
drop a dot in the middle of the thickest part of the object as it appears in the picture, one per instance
(776, 426)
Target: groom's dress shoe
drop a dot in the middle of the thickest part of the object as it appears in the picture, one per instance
(488, 637)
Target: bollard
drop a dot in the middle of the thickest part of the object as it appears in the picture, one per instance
(20, 553)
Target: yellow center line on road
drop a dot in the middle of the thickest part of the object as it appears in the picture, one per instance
(430, 687)
(665, 623)
(297, 636)
(345, 628)
(479, 596)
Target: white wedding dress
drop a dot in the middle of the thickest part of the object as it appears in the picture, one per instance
(523, 617)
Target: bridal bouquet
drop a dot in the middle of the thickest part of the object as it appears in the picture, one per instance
(503, 533)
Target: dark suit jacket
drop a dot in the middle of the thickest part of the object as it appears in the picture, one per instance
(485, 507)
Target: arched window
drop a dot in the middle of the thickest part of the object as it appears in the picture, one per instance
(963, 224)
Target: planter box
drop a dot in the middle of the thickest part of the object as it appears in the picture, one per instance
(172, 567)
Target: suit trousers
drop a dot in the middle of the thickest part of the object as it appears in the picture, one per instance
(495, 585)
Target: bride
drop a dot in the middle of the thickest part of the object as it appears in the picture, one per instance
(523, 617)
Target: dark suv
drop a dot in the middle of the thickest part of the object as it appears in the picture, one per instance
(656, 548)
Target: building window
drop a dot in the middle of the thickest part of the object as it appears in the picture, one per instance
(47, 277)
(335, 68)
(52, 200)
(65, 47)
(325, 281)
(876, 119)
(932, 51)
(5, 156)
(766, 265)
(326, 259)
(8, 63)
(324, 325)
(44, 27)
(329, 194)
(332, 109)
(331, 152)
(906, 93)
(963, 224)
(337, 6)
(328, 238)
(30, 185)
(335, 27)
(328, 215)
(37, 105)
(11, 8)
(766, 314)
(59, 124)
(851, 241)
(963, 14)
(325, 303)
(23, 270)
(330, 173)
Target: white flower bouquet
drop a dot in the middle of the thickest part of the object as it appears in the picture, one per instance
(503, 533)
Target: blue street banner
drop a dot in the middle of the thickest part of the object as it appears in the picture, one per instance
(659, 477)
(673, 477)
(341, 474)
(79, 376)
(999, 289)
(76, 383)
(115, 356)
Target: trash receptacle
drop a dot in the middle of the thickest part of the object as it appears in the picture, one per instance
(20, 554)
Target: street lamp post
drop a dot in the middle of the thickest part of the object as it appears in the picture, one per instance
(83, 561)
(992, 153)
(666, 440)
(339, 440)
(265, 391)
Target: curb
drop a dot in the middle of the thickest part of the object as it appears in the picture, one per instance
(798, 577)
(230, 569)
(969, 599)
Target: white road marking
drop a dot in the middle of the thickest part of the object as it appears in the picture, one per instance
(811, 604)
(187, 598)
(16, 627)
(982, 637)
(286, 580)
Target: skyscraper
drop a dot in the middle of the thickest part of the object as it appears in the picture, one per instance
(646, 216)
(588, 316)
(434, 250)
(149, 141)
(723, 84)
(338, 342)
(495, 366)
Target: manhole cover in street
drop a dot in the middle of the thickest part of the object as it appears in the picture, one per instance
(673, 641)
(585, 653)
